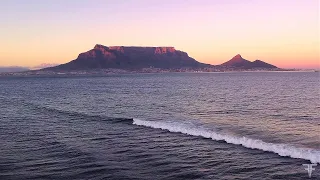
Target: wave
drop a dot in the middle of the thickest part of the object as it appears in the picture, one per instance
(280, 149)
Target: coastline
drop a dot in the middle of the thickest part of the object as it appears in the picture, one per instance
(105, 72)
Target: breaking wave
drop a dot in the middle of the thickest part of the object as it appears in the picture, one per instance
(280, 149)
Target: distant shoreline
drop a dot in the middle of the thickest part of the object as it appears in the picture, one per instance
(105, 72)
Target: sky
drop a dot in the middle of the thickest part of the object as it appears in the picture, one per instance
(281, 32)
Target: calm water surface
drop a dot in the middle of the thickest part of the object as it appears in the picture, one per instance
(257, 125)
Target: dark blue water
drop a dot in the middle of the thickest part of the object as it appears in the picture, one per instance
(258, 125)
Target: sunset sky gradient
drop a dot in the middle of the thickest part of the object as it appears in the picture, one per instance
(281, 32)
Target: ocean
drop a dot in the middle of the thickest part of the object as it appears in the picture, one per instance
(237, 125)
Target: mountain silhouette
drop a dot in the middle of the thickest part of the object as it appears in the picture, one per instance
(124, 57)
(241, 63)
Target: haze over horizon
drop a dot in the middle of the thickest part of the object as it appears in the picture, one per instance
(284, 33)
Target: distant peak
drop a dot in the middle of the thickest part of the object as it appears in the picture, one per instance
(237, 56)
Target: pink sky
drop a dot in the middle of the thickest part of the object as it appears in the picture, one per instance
(281, 32)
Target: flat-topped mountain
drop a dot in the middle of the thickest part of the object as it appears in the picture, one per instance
(138, 58)
(124, 57)
(240, 63)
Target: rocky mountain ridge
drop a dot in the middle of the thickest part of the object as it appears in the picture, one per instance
(130, 57)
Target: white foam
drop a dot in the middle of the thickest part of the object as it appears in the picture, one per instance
(280, 149)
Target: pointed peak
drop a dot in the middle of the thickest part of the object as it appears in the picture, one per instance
(237, 56)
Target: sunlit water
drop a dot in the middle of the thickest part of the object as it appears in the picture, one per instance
(259, 125)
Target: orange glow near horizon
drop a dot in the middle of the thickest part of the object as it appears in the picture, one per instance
(284, 33)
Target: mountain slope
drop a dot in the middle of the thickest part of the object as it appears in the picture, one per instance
(238, 62)
(44, 65)
(261, 64)
(122, 57)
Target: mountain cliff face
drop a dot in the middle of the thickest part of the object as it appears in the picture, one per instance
(239, 63)
(122, 57)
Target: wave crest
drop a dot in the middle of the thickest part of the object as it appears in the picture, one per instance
(280, 149)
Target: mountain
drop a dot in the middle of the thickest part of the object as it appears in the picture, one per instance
(13, 69)
(239, 63)
(261, 64)
(128, 57)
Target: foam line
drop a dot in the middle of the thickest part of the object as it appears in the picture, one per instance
(280, 149)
